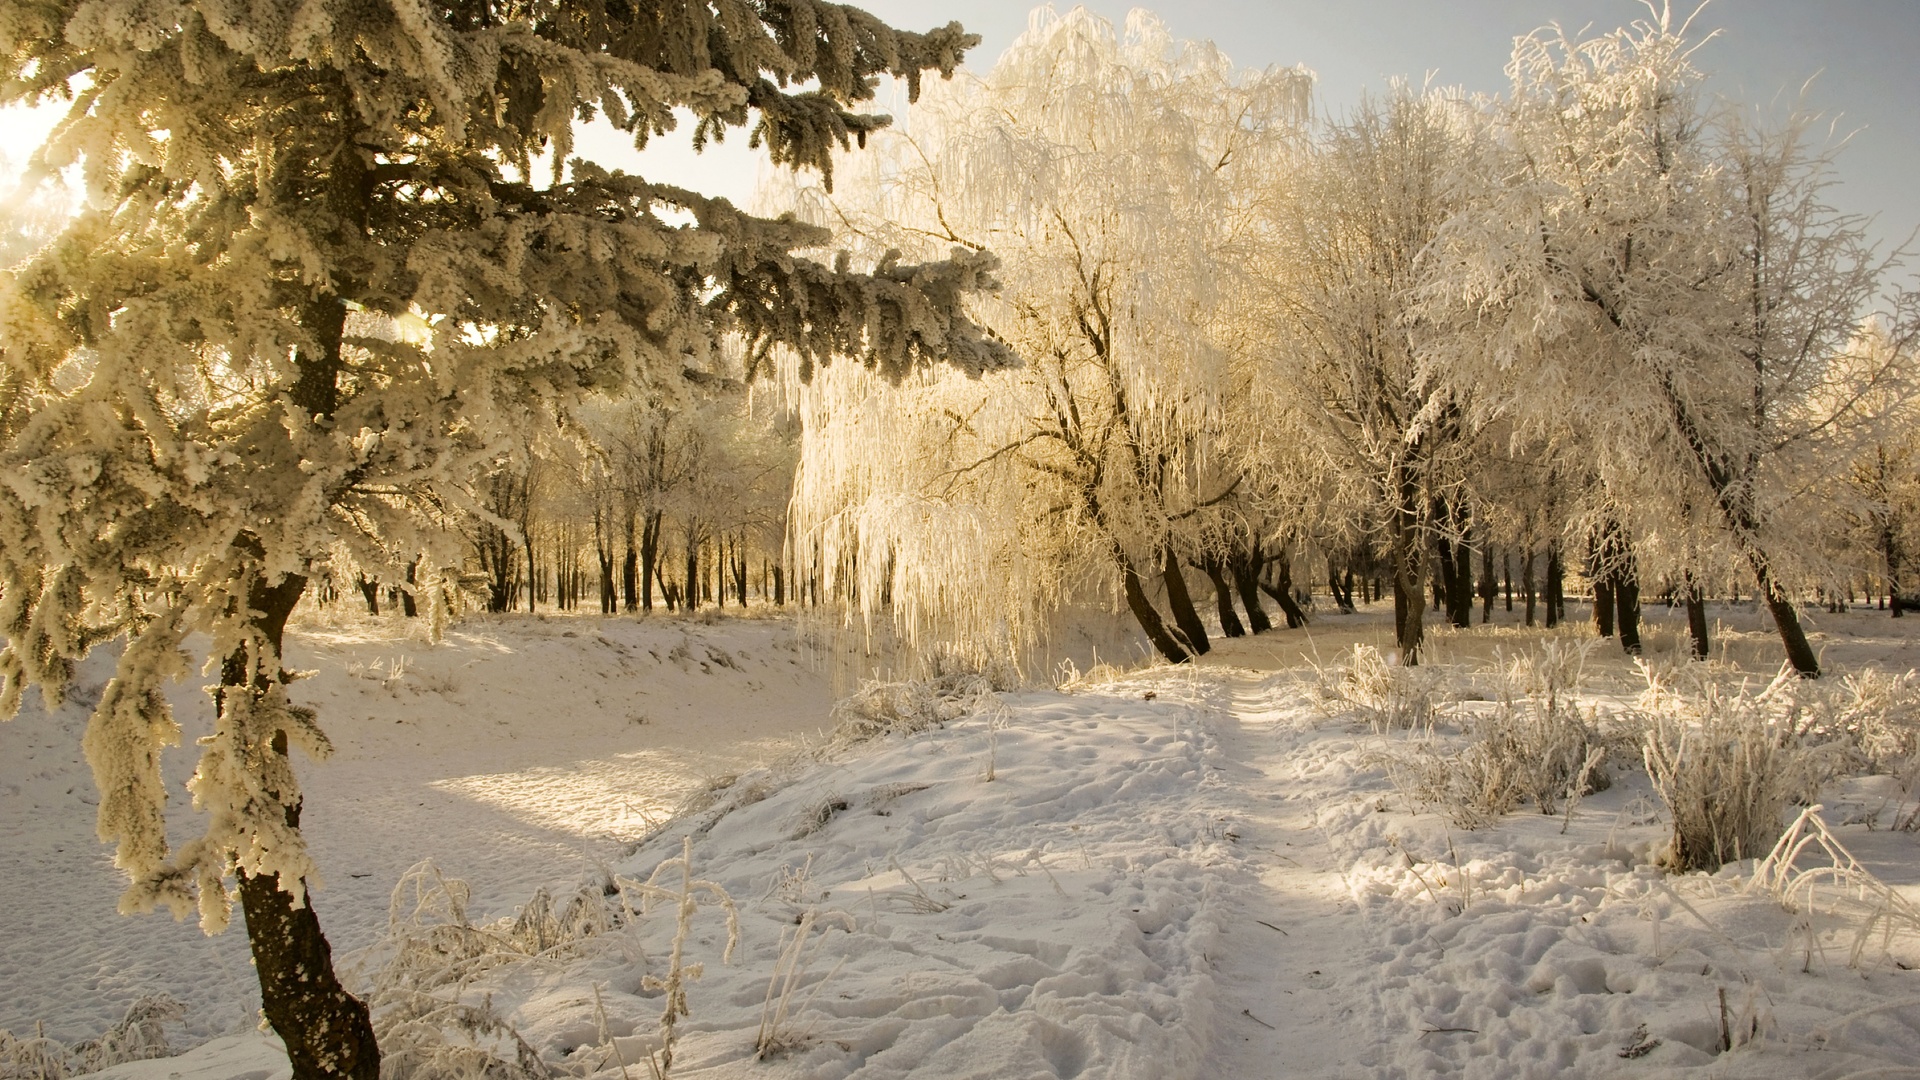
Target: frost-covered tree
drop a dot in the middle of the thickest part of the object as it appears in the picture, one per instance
(1111, 169)
(1671, 286)
(212, 396)
(1351, 228)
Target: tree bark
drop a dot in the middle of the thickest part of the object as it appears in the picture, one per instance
(1185, 618)
(1556, 587)
(1526, 583)
(1785, 619)
(1489, 585)
(1697, 621)
(1148, 617)
(408, 605)
(649, 558)
(328, 1033)
(1408, 555)
(370, 589)
(1282, 591)
(1230, 624)
(1245, 567)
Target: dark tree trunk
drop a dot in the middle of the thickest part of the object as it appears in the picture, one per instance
(1245, 567)
(1785, 619)
(1556, 587)
(1506, 571)
(1181, 603)
(1341, 600)
(1407, 553)
(1149, 618)
(371, 590)
(1223, 597)
(1626, 596)
(1697, 621)
(649, 558)
(407, 605)
(1489, 585)
(1890, 550)
(1461, 596)
(1603, 606)
(690, 597)
(630, 567)
(327, 1032)
(1526, 583)
(1616, 587)
(603, 550)
(1282, 591)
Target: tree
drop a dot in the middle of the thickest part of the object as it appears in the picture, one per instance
(211, 401)
(1668, 282)
(1352, 227)
(1112, 169)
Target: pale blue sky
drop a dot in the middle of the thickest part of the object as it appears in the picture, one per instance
(1866, 54)
(1862, 55)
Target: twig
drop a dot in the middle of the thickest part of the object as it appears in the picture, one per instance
(1424, 1032)
(1270, 926)
(1248, 1013)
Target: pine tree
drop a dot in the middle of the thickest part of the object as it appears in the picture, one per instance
(318, 290)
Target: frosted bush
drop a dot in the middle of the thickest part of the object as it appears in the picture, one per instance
(1535, 746)
(139, 1036)
(878, 709)
(428, 1024)
(1727, 764)
(1387, 696)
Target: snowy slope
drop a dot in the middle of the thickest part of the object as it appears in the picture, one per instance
(518, 752)
(1197, 872)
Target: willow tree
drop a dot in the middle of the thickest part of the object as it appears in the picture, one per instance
(1112, 169)
(213, 399)
(1664, 282)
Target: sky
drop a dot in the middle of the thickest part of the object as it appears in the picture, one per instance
(1862, 57)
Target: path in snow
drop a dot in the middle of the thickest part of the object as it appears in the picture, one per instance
(1287, 932)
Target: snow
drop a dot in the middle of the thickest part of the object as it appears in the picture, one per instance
(1200, 871)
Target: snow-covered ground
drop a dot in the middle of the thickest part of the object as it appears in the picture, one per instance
(1201, 872)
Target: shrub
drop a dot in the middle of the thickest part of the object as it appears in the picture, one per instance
(1387, 696)
(1727, 765)
(1534, 747)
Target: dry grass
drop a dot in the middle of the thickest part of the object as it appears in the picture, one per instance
(1727, 764)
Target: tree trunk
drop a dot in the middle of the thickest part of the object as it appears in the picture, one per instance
(1603, 605)
(690, 598)
(327, 1032)
(1526, 583)
(1626, 597)
(1890, 549)
(1697, 621)
(371, 590)
(1282, 591)
(1341, 600)
(1506, 570)
(1556, 587)
(407, 605)
(1407, 553)
(649, 558)
(1223, 597)
(1181, 603)
(1149, 618)
(1489, 585)
(1785, 619)
(1461, 597)
(630, 567)
(1245, 567)
(1616, 570)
